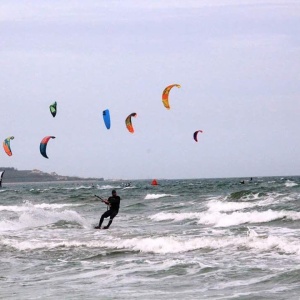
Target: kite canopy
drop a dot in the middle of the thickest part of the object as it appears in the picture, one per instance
(53, 109)
(6, 145)
(165, 95)
(196, 135)
(129, 123)
(43, 145)
(106, 118)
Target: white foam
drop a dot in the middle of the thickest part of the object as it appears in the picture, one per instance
(227, 206)
(218, 219)
(237, 218)
(288, 246)
(14, 208)
(162, 216)
(164, 245)
(177, 245)
(252, 233)
(167, 244)
(81, 187)
(216, 205)
(54, 205)
(32, 216)
(290, 183)
(26, 206)
(107, 187)
(157, 196)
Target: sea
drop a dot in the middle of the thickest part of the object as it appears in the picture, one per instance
(181, 239)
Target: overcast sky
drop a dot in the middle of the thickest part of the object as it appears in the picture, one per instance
(238, 64)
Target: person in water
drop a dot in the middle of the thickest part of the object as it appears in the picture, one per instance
(114, 204)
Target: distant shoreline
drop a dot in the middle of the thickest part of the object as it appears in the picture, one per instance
(12, 175)
(55, 181)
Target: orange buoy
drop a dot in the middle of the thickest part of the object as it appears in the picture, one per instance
(154, 182)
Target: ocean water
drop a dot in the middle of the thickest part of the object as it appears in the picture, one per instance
(183, 239)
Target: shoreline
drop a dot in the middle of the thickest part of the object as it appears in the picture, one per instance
(50, 181)
(15, 176)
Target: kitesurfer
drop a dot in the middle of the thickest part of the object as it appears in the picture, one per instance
(114, 204)
(1, 176)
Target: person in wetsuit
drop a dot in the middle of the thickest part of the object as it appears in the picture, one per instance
(114, 204)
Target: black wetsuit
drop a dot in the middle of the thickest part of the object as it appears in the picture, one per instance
(114, 202)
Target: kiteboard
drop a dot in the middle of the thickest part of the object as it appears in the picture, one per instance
(97, 227)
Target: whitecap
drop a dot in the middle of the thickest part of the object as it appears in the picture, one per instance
(289, 183)
(216, 205)
(107, 187)
(157, 196)
(218, 219)
(33, 216)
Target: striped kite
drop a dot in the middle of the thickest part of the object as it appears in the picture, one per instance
(128, 122)
(6, 145)
(43, 145)
(165, 95)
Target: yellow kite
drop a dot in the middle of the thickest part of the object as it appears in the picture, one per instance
(165, 95)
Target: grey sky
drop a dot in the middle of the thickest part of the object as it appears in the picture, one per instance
(237, 63)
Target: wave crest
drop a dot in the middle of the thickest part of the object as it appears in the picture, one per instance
(157, 196)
